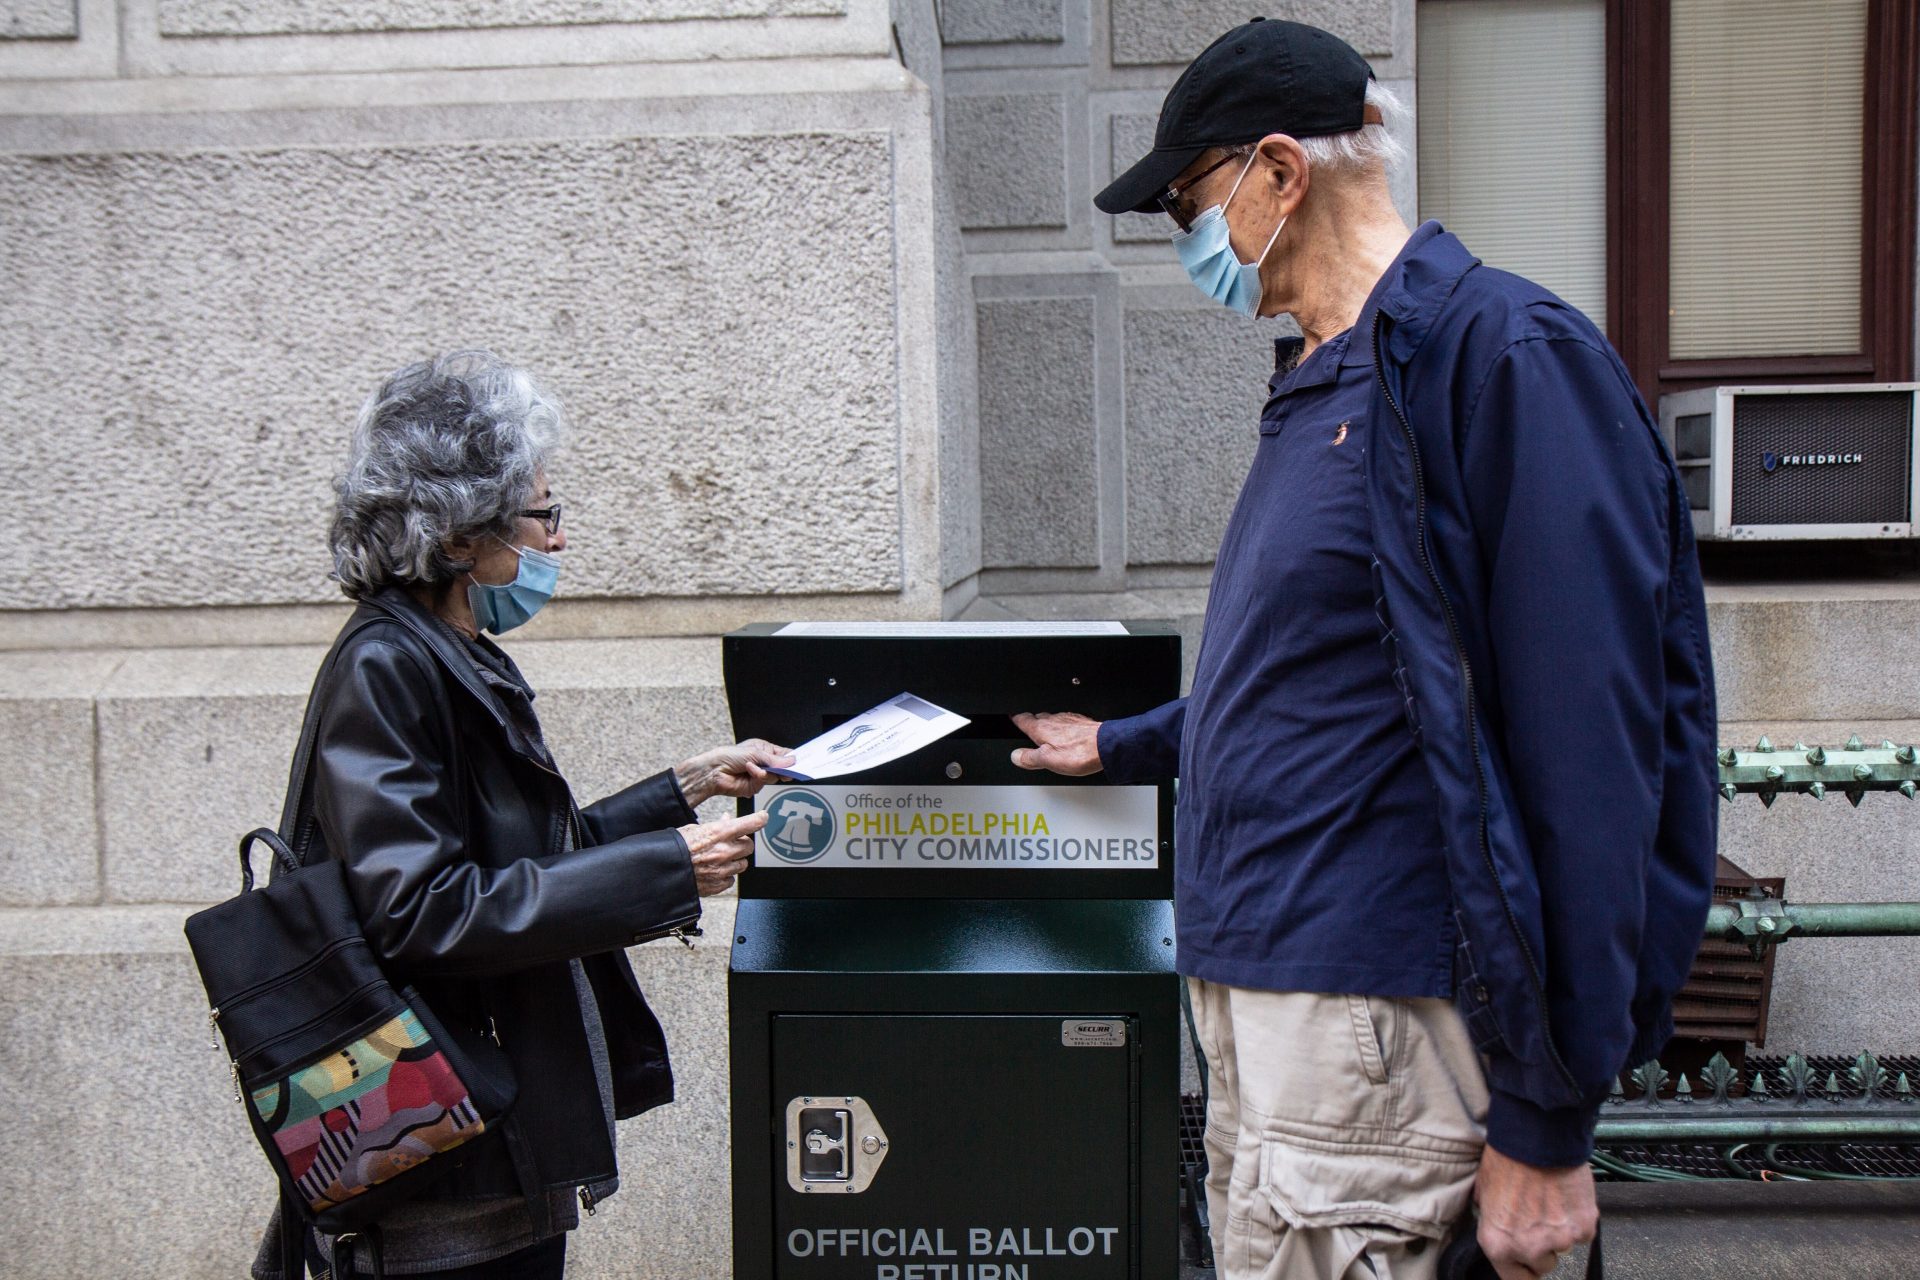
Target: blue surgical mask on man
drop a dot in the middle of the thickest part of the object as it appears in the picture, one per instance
(1206, 251)
(501, 608)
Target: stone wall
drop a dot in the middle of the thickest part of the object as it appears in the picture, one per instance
(719, 229)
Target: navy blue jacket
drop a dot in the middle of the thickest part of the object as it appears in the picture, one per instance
(1540, 593)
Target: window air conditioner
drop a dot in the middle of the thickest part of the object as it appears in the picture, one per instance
(1797, 462)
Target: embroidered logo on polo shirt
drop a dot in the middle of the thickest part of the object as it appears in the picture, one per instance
(1340, 436)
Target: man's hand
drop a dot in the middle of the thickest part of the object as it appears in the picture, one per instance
(1529, 1217)
(735, 771)
(720, 850)
(1063, 742)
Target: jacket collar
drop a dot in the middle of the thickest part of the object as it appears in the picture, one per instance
(409, 613)
(1413, 290)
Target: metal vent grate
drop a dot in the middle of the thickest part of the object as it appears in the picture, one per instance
(1693, 437)
(1876, 426)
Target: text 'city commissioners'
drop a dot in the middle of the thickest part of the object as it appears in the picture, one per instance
(1016, 827)
(975, 1244)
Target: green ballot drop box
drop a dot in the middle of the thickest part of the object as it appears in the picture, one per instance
(953, 1009)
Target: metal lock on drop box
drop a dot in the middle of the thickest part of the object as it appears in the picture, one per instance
(834, 1144)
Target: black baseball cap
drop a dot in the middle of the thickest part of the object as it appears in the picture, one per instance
(1264, 76)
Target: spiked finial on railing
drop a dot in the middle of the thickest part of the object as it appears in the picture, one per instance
(1617, 1095)
(1797, 1076)
(1651, 1077)
(1683, 1092)
(1833, 1087)
(1902, 1091)
(1719, 1076)
(1853, 769)
(1765, 744)
(1757, 1092)
(1867, 1075)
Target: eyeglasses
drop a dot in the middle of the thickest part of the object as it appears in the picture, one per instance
(548, 516)
(1171, 197)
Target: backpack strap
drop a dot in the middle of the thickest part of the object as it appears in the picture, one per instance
(295, 835)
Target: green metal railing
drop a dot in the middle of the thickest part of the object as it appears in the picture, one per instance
(1795, 1108)
(1852, 769)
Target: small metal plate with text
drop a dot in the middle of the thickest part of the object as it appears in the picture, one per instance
(1080, 1033)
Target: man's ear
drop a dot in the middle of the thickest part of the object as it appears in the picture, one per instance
(1284, 168)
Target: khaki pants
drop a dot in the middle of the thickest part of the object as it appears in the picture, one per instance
(1343, 1132)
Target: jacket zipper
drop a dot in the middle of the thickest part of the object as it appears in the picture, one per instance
(1466, 683)
(683, 930)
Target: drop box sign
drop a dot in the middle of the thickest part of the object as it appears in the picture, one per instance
(960, 827)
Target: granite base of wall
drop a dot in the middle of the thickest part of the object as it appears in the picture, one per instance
(125, 1155)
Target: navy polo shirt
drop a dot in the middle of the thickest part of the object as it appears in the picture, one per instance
(1309, 840)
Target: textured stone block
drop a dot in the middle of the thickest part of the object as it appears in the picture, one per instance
(285, 17)
(97, 1047)
(1001, 21)
(1007, 156)
(1037, 474)
(1147, 32)
(1195, 382)
(49, 835)
(39, 19)
(1132, 138)
(207, 324)
(195, 745)
(1785, 654)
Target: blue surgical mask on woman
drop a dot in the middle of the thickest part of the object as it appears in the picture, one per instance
(1206, 251)
(501, 608)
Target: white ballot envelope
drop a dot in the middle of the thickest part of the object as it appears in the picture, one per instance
(897, 727)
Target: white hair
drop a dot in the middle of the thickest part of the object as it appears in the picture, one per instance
(446, 448)
(1359, 150)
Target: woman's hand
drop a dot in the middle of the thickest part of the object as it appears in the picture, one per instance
(720, 850)
(734, 771)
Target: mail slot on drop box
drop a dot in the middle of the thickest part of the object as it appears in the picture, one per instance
(954, 1014)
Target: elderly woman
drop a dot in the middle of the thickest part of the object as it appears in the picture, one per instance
(476, 876)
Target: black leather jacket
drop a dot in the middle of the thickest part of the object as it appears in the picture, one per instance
(478, 879)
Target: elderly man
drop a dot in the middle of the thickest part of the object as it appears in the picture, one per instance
(1446, 824)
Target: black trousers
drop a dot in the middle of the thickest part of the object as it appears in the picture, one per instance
(544, 1261)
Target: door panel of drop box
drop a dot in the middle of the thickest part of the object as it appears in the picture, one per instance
(1012, 1150)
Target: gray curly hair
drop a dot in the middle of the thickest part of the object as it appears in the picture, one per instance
(446, 448)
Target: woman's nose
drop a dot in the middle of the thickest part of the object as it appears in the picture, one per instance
(557, 540)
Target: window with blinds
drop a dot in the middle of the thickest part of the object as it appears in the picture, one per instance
(1766, 154)
(1512, 137)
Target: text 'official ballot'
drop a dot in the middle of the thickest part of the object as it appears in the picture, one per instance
(951, 827)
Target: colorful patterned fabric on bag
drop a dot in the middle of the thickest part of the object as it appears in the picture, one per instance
(368, 1112)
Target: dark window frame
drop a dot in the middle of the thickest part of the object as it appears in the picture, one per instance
(1638, 204)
